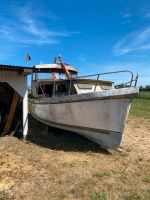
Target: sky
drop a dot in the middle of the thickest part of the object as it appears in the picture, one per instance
(95, 36)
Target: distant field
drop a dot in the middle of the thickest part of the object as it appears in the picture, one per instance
(144, 94)
(141, 106)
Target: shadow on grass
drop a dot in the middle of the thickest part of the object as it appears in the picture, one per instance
(58, 139)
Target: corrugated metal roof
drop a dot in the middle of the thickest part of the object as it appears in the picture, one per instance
(15, 66)
(20, 69)
(46, 68)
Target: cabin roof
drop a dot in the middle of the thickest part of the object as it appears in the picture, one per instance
(49, 68)
(20, 69)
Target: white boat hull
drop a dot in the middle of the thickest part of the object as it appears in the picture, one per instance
(99, 117)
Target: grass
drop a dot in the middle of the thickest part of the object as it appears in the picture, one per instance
(3, 195)
(141, 106)
(134, 196)
(99, 196)
(68, 167)
(100, 174)
(138, 196)
(146, 179)
(145, 95)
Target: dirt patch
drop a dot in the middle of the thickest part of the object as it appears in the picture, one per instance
(67, 166)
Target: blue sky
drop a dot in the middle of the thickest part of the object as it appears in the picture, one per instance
(93, 35)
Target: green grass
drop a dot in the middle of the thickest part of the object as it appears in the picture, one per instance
(145, 95)
(100, 174)
(134, 196)
(145, 195)
(140, 107)
(99, 196)
(146, 179)
(3, 195)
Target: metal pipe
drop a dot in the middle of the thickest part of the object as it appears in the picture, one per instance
(137, 76)
(96, 82)
(113, 72)
(42, 91)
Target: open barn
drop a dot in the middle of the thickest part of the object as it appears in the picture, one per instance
(14, 100)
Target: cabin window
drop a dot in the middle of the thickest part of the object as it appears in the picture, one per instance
(61, 89)
(85, 86)
(48, 90)
(106, 87)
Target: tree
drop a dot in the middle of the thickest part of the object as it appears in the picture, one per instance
(146, 88)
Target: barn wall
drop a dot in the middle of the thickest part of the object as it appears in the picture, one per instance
(19, 84)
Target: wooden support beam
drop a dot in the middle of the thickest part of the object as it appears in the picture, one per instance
(11, 112)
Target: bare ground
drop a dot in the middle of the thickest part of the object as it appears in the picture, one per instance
(67, 166)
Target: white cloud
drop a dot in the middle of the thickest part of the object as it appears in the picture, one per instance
(135, 41)
(35, 27)
(5, 32)
(140, 56)
(126, 15)
(29, 29)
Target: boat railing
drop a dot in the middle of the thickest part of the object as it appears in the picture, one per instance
(96, 78)
(131, 82)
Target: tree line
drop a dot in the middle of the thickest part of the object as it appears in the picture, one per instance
(146, 88)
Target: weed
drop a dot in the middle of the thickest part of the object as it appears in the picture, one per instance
(84, 185)
(124, 154)
(146, 179)
(140, 159)
(2, 163)
(101, 174)
(99, 196)
(123, 176)
(61, 196)
(73, 191)
(3, 195)
(134, 196)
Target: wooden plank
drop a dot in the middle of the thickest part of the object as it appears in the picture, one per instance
(11, 112)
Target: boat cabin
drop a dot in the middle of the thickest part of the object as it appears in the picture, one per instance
(56, 86)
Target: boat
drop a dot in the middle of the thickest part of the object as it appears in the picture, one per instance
(88, 105)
